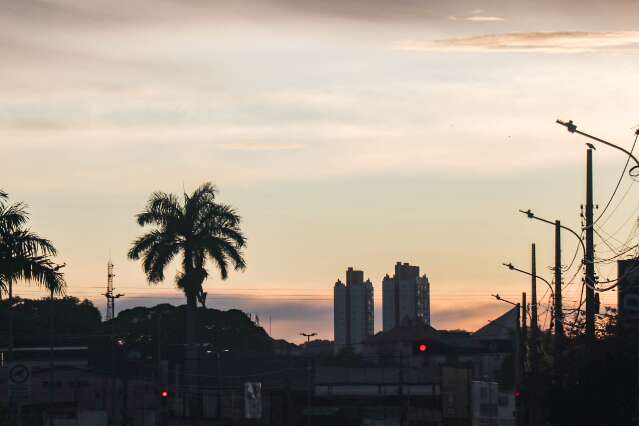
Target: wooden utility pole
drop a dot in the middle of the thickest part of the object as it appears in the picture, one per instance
(590, 252)
(559, 317)
(534, 321)
(534, 325)
(524, 333)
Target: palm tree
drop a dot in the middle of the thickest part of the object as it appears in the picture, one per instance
(197, 229)
(24, 256)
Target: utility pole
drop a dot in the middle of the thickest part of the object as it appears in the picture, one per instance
(524, 332)
(590, 252)
(559, 320)
(533, 402)
(534, 325)
(534, 322)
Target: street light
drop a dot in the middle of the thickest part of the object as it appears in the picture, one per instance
(308, 336)
(519, 348)
(514, 268)
(572, 128)
(501, 299)
(531, 215)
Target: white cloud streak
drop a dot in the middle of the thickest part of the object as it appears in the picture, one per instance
(484, 19)
(549, 42)
(250, 146)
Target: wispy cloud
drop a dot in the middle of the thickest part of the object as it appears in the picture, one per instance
(256, 146)
(481, 18)
(551, 42)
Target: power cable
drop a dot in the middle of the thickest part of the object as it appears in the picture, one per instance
(625, 167)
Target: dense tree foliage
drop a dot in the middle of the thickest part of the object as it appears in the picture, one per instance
(75, 321)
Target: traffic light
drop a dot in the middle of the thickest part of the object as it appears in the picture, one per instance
(520, 395)
(164, 397)
(421, 347)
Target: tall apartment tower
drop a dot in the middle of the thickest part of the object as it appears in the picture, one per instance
(353, 310)
(406, 295)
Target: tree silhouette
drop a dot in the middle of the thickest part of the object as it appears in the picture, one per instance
(24, 255)
(197, 229)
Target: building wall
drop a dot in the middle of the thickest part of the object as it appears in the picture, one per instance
(407, 299)
(406, 295)
(353, 308)
(339, 314)
(388, 303)
(425, 296)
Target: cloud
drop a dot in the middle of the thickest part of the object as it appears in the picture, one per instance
(549, 42)
(470, 317)
(484, 19)
(256, 146)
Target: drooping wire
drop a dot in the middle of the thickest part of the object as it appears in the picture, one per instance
(623, 173)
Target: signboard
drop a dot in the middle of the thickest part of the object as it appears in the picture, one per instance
(19, 383)
(253, 400)
(628, 293)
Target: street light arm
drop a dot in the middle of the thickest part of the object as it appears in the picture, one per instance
(514, 268)
(531, 215)
(501, 299)
(572, 128)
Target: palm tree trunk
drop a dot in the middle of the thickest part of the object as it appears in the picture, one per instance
(51, 357)
(10, 310)
(191, 355)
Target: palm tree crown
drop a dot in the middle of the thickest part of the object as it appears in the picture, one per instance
(25, 255)
(197, 228)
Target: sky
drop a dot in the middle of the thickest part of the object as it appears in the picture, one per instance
(346, 133)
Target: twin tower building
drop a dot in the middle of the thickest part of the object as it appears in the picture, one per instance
(405, 297)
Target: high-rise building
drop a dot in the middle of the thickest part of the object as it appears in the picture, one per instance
(406, 295)
(353, 310)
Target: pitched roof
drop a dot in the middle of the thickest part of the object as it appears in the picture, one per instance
(502, 327)
(409, 330)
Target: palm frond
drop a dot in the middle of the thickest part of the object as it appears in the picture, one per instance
(157, 257)
(161, 209)
(24, 242)
(13, 216)
(220, 260)
(226, 249)
(143, 243)
(195, 204)
(38, 269)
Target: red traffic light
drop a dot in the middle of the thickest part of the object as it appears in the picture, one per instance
(423, 347)
(164, 393)
(517, 394)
